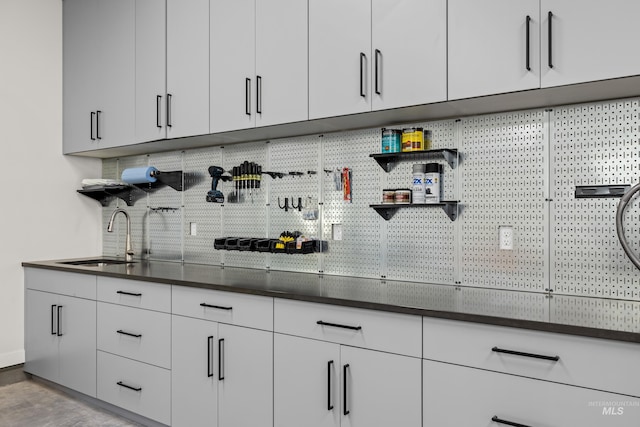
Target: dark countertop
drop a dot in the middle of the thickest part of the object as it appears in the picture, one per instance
(592, 317)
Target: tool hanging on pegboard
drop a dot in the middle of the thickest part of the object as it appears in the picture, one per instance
(217, 173)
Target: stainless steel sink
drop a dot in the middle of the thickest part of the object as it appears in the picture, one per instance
(97, 262)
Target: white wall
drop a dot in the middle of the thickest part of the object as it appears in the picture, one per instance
(41, 215)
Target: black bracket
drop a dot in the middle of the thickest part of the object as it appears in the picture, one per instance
(104, 194)
(600, 191)
(172, 179)
(387, 160)
(388, 211)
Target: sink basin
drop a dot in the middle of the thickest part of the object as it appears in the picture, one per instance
(98, 262)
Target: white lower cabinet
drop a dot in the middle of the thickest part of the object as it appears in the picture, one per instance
(135, 386)
(342, 366)
(222, 374)
(461, 396)
(60, 340)
(322, 384)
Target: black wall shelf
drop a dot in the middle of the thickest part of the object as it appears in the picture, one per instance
(387, 211)
(172, 179)
(104, 194)
(387, 160)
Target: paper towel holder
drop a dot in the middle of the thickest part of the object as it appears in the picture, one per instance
(173, 179)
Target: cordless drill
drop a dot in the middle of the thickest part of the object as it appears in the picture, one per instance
(214, 195)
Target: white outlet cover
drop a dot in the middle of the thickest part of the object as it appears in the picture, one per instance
(336, 231)
(506, 237)
(193, 228)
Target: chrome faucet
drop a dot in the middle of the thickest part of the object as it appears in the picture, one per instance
(128, 250)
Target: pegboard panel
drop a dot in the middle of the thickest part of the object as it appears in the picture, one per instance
(114, 243)
(594, 144)
(504, 183)
(499, 303)
(596, 313)
(110, 240)
(359, 253)
(421, 241)
(165, 211)
(199, 249)
(300, 155)
(421, 295)
(246, 218)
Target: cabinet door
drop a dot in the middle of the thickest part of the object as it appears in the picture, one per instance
(80, 66)
(232, 65)
(459, 396)
(41, 339)
(151, 72)
(339, 57)
(245, 377)
(488, 47)
(116, 75)
(281, 62)
(590, 40)
(380, 389)
(187, 68)
(77, 344)
(194, 373)
(306, 382)
(409, 52)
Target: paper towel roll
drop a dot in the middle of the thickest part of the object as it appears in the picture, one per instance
(139, 175)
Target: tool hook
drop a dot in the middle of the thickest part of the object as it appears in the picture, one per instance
(286, 204)
(299, 207)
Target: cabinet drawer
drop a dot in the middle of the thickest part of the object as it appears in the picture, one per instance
(152, 400)
(143, 335)
(60, 282)
(150, 296)
(225, 307)
(586, 362)
(460, 396)
(377, 330)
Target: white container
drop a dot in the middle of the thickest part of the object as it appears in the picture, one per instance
(418, 189)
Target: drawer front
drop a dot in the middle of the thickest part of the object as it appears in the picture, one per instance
(135, 386)
(143, 335)
(460, 396)
(377, 330)
(61, 282)
(586, 362)
(133, 293)
(225, 307)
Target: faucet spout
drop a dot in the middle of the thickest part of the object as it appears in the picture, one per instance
(128, 248)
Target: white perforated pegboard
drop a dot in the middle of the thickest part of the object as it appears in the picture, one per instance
(421, 241)
(207, 216)
(594, 144)
(596, 313)
(293, 155)
(504, 183)
(165, 211)
(359, 253)
(248, 217)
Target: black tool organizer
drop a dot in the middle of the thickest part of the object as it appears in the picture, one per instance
(268, 245)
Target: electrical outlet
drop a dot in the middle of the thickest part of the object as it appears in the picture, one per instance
(506, 237)
(193, 228)
(336, 231)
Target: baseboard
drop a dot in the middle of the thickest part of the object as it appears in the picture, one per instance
(10, 359)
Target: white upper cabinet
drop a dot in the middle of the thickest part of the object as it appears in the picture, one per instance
(339, 57)
(258, 63)
(409, 52)
(151, 75)
(80, 63)
(232, 65)
(116, 84)
(375, 54)
(99, 74)
(187, 100)
(281, 62)
(493, 47)
(588, 40)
